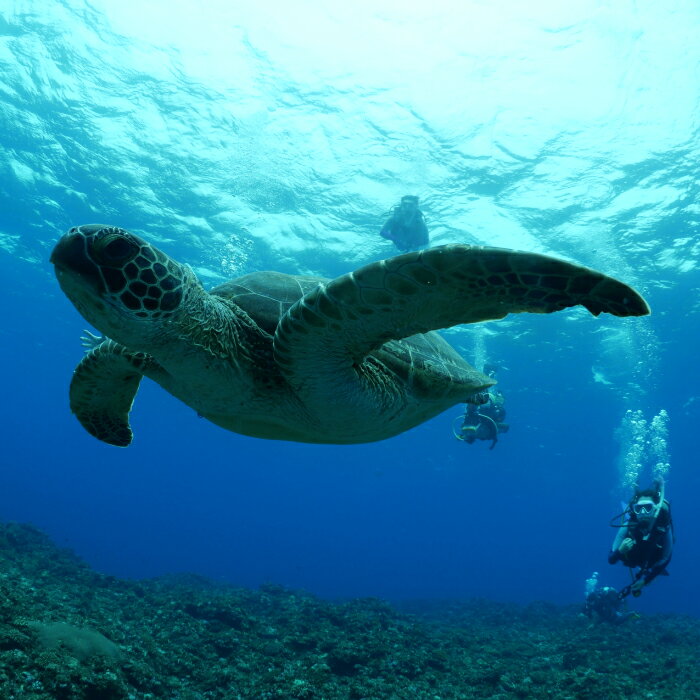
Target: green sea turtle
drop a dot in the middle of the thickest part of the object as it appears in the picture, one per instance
(287, 357)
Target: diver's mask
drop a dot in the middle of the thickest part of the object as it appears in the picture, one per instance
(644, 508)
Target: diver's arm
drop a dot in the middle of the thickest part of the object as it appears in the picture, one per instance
(614, 554)
(387, 229)
(422, 231)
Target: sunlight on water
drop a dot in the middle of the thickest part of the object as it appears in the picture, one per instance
(552, 139)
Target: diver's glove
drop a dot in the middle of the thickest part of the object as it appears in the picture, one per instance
(636, 588)
(625, 545)
(480, 398)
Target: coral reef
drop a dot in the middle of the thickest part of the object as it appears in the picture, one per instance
(68, 632)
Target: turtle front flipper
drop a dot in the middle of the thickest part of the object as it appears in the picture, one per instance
(103, 388)
(334, 327)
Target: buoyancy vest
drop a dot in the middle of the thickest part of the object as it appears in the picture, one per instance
(647, 551)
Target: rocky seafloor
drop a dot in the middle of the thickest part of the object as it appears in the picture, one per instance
(69, 632)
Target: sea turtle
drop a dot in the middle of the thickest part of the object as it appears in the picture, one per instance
(289, 357)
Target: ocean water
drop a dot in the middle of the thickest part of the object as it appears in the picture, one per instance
(239, 138)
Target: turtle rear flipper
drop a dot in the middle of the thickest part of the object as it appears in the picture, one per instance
(103, 388)
(331, 329)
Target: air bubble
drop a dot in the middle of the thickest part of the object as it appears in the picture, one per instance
(643, 447)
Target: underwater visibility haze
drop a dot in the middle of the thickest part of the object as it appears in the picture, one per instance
(278, 137)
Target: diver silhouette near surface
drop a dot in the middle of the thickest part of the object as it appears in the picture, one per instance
(406, 226)
(645, 538)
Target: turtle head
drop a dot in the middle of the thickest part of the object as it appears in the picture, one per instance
(120, 284)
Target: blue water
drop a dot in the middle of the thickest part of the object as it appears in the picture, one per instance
(239, 139)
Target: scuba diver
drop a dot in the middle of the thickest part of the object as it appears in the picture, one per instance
(645, 539)
(604, 603)
(484, 415)
(406, 226)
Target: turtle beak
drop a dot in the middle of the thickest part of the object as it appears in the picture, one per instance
(71, 261)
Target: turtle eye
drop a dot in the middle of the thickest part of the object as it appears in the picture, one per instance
(113, 248)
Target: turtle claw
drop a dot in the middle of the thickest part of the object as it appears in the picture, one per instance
(90, 341)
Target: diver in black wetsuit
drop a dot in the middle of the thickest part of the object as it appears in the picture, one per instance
(645, 539)
(406, 226)
(484, 421)
(605, 604)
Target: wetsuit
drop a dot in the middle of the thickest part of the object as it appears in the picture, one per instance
(406, 235)
(653, 554)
